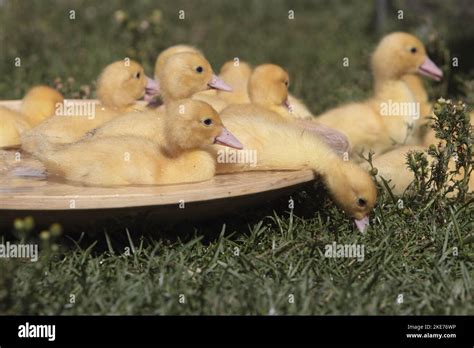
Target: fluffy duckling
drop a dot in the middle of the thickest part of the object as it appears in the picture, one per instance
(392, 166)
(237, 76)
(208, 95)
(182, 76)
(118, 88)
(376, 124)
(195, 75)
(37, 105)
(181, 158)
(282, 145)
(121, 84)
(268, 89)
(12, 125)
(171, 51)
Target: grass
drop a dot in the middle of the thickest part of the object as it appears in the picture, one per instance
(265, 260)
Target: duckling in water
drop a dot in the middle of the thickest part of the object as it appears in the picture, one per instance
(182, 75)
(373, 124)
(118, 88)
(189, 128)
(282, 145)
(37, 105)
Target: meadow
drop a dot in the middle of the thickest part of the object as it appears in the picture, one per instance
(269, 260)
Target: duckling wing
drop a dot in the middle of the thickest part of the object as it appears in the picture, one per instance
(336, 140)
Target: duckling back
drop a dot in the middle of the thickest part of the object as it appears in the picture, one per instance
(12, 124)
(40, 103)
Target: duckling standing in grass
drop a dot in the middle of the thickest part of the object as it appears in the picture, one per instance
(37, 105)
(182, 75)
(189, 128)
(391, 116)
(282, 145)
(119, 86)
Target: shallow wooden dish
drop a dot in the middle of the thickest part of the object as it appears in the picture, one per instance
(33, 195)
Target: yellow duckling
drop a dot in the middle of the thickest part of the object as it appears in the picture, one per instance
(391, 116)
(278, 144)
(195, 73)
(181, 158)
(207, 95)
(171, 51)
(37, 105)
(392, 166)
(268, 89)
(237, 76)
(182, 76)
(118, 88)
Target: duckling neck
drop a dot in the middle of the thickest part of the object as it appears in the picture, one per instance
(171, 148)
(394, 89)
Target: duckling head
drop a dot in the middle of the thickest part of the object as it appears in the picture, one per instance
(268, 85)
(122, 83)
(185, 74)
(354, 191)
(242, 69)
(192, 124)
(170, 51)
(40, 103)
(399, 54)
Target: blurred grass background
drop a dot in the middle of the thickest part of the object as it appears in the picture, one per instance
(311, 46)
(409, 251)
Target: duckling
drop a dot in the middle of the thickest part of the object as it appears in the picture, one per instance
(12, 124)
(171, 51)
(206, 95)
(375, 123)
(392, 166)
(37, 105)
(118, 88)
(283, 145)
(183, 75)
(268, 88)
(237, 76)
(181, 158)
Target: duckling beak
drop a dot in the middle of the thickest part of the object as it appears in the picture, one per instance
(152, 88)
(218, 83)
(287, 104)
(362, 224)
(428, 68)
(226, 138)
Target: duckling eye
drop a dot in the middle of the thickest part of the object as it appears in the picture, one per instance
(137, 75)
(199, 69)
(286, 83)
(207, 121)
(413, 50)
(361, 202)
